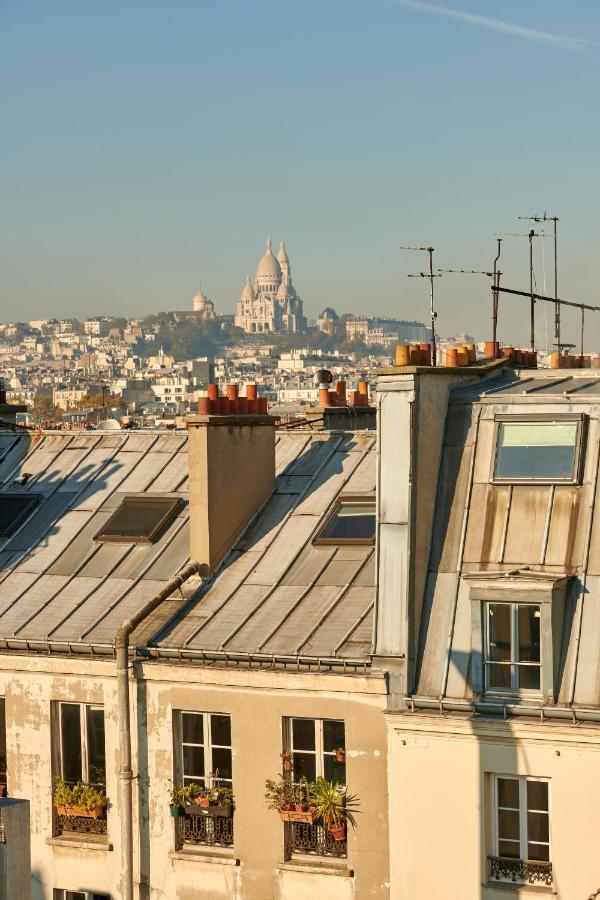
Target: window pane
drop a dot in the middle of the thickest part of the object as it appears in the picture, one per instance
(96, 755)
(538, 851)
(529, 633)
(139, 519)
(537, 827)
(511, 849)
(193, 762)
(74, 895)
(334, 771)
(536, 449)
(498, 675)
(499, 630)
(70, 724)
(305, 765)
(220, 727)
(351, 520)
(192, 728)
(528, 678)
(221, 760)
(508, 824)
(334, 736)
(537, 795)
(303, 734)
(508, 792)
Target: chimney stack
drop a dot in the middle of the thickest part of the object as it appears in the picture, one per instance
(232, 473)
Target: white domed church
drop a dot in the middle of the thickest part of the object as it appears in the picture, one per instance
(271, 303)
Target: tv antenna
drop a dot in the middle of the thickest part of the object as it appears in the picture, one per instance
(554, 220)
(528, 234)
(495, 275)
(430, 275)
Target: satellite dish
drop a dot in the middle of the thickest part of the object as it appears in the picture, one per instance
(108, 425)
(324, 376)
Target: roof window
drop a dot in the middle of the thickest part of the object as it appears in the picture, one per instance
(351, 522)
(140, 519)
(538, 449)
(14, 509)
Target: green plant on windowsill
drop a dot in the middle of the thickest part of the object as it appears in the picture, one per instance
(279, 793)
(178, 797)
(334, 807)
(79, 799)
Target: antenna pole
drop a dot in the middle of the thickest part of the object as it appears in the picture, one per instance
(495, 296)
(532, 306)
(556, 304)
(433, 341)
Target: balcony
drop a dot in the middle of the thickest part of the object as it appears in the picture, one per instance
(204, 826)
(78, 824)
(315, 840)
(523, 871)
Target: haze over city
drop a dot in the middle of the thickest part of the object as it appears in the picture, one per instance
(149, 148)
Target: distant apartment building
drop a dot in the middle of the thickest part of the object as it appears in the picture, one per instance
(373, 330)
(99, 325)
(66, 398)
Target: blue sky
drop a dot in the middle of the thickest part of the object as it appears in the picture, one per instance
(147, 149)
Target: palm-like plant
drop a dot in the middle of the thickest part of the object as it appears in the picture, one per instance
(334, 807)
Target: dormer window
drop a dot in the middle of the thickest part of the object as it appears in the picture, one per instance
(544, 449)
(513, 652)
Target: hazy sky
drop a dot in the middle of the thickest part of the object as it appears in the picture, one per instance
(147, 147)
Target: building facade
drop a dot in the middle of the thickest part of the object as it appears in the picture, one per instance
(271, 304)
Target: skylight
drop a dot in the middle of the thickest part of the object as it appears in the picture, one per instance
(14, 509)
(140, 519)
(538, 450)
(351, 522)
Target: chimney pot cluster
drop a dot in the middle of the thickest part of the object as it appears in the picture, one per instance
(232, 403)
(338, 397)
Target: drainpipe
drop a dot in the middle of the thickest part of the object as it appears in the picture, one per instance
(125, 771)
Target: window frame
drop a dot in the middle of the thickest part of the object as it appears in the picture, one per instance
(368, 500)
(176, 504)
(61, 894)
(83, 737)
(580, 419)
(207, 746)
(523, 781)
(514, 664)
(23, 515)
(319, 752)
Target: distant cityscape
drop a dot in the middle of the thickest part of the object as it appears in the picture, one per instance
(152, 370)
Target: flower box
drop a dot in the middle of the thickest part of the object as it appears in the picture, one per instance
(96, 813)
(224, 812)
(295, 815)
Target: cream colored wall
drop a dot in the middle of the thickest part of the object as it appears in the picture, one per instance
(255, 869)
(438, 770)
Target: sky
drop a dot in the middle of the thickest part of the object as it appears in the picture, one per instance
(148, 147)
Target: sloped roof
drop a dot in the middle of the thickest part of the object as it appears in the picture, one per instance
(275, 593)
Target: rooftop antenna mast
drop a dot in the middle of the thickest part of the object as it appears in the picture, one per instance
(430, 275)
(554, 220)
(495, 276)
(528, 234)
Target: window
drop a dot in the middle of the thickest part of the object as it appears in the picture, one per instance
(82, 753)
(538, 450)
(351, 522)
(59, 894)
(140, 519)
(14, 509)
(513, 658)
(205, 748)
(318, 748)
(521, 832)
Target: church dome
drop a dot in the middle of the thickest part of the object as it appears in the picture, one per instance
(248, 292)
(268, 267)
(283, 292)
(282, 254)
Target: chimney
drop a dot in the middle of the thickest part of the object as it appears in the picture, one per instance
(232, 473)
(412, 403)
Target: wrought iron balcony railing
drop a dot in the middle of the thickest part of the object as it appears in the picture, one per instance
(314, 839)
(80, 825)
(526, 871)
(198, 827)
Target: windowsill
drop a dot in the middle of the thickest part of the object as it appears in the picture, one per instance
(311, 865)
(522, 888)
(80, 842)
(219, 855)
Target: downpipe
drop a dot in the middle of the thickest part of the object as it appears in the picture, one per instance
(121, 645)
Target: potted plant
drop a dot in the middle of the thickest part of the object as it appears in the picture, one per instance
(334, 807)
(79, 799)
(288, 800)
(340, 754)
(177, 800)
(287, 761)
